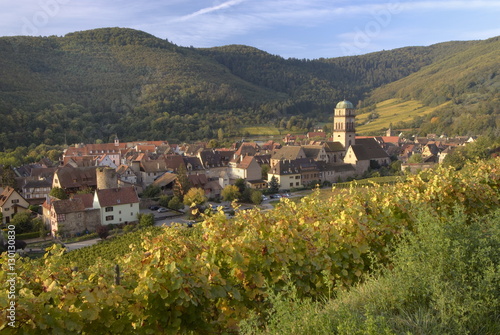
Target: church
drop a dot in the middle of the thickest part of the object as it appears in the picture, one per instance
(361, 153)
(339, 159)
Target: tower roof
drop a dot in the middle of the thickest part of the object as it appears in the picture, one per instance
(345, 104)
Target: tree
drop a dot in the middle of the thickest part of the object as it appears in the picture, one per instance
(195, 197)
(415, 158)
(58, 193)
(256, 197)
(220, 135)
(8, 177)
(152, 191)
(240, 184)
(22, 222)
(264, 168)
(182, 184)
(273, 185)
(230, 193)
(213, 143)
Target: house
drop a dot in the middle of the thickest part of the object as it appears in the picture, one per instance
(335, 173)
(293, 139)
(193, 165)
(247, 149)
(166, 182)
(315, 152)
(174, 162)
(309, 172)
(212, 188)
(11, 203)
(335, 152)
(287, 153)
(286, 172)
(430, 149)
(213, 162)
(79, 161)
(270, 146)
(366, 153)
(107, 160)
(245, 168)
(117, 205)
(126, 174)
(73, 179)
(35, 191)
(316, 134)
(95, 150)
(150, 170)
(71, 217)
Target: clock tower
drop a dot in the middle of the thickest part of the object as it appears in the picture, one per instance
(343, 124)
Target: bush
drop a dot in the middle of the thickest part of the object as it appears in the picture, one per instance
(102, 231)
(164, 200)
(146, 220)
(175, 203)
(25, 236)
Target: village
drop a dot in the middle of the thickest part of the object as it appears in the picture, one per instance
(103, 182)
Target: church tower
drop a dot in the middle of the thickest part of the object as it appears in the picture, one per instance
(343, 124)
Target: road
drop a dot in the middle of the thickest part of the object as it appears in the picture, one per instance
(81, 244)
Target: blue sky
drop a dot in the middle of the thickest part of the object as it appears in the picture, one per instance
(289, 28)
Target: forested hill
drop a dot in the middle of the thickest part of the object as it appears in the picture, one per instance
(469, 80)
(94, 84)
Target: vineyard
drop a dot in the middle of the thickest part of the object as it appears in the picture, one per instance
(107, 250)
(209, 278)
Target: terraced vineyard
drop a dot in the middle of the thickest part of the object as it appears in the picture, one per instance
(392, 111)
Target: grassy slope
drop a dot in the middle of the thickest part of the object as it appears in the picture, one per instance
(392, 111)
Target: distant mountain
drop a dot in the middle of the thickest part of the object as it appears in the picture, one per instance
(94, 84)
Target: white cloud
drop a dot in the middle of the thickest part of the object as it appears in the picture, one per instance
(207, 10)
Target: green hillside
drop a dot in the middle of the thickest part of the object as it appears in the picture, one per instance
(94, 84)
(464, 86)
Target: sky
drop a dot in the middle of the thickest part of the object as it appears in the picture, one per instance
(289, 28)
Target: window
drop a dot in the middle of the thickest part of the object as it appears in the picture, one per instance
(61, 217)
(297, 184)
(109, 209)
(291, 184)
(109, 217)
(15, 201)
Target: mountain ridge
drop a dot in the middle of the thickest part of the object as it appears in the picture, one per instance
(120, 81)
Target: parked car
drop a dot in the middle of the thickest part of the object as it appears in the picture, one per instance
(154, 208)
(264, 198)
(162, 210)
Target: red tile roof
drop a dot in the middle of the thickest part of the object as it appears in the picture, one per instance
(117, 196)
